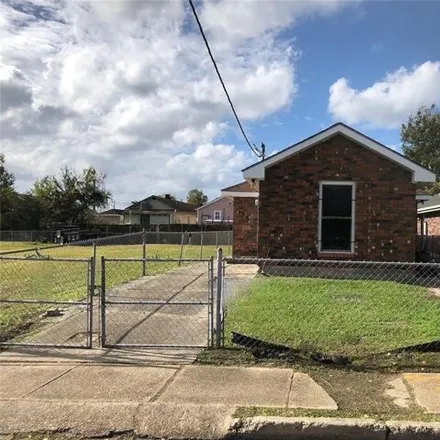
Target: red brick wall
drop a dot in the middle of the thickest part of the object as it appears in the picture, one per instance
(433, 225)
(244, 241)
(385, 214)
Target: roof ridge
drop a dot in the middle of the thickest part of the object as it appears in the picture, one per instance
(420, 172)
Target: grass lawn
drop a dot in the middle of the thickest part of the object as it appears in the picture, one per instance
(352, 317)
(67, 281)
(6, 246)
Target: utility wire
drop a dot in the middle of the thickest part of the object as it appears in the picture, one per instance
(259, 153)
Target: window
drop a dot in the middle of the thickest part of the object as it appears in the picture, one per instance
(217, 215)
(336, 216)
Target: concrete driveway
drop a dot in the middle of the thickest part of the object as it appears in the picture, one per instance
(167, 324)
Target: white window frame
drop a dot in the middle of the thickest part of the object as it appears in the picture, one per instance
(425, 229)
(220, 216)
(353, 220)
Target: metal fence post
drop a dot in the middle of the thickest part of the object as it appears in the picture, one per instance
(90, 302)
(102, 309)
(144, 252)
(201, 244)
(182, 242)
(219, 300)
(216, 239)
(94, 249)
(211, 301)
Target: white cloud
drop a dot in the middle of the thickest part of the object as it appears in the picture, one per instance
(128, 87)
(386, 103)
(231, 20)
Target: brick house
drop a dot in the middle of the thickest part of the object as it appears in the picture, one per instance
(335, 195)
(429, 216)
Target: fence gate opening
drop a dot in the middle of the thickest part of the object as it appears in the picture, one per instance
(46, 302)
(169, 307)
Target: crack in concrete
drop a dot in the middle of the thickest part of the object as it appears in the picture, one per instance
(166, 385)
(50, 381)
(290, 389)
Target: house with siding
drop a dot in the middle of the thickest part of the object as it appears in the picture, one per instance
(156, 210)
(335, 195)
(110, 217)
(219, 210)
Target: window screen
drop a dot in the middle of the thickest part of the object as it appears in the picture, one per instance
(336, 217)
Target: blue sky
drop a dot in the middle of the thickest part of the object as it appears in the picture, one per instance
(362, 43)
(128, 87)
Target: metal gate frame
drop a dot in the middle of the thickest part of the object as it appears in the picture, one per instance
(88, 302)
(209, 302)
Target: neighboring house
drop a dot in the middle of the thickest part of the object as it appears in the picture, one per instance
(110, 217)
(429, 216)
(337, 194)
(155, 210)
(219, 210)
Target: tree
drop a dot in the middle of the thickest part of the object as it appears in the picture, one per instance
(420, 138)
(25, 212)
(196, 197)
(17, 211)
(71, 197)
(7, 193)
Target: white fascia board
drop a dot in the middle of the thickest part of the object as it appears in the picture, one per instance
(420, 174)
(428, 209)
(239, 194)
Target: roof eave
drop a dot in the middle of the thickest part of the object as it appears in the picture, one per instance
(420, 174)
(428, 209)
(240, 194)
(212, 201)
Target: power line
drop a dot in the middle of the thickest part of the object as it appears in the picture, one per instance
(258, 152)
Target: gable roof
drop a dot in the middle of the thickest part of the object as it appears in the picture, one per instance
(420, 173)
(172, 204)
(433, 204)
(240, 187)
(211, 202)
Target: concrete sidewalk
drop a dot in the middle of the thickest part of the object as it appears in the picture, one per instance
(185, 401)
(232, 386)
(161, 401)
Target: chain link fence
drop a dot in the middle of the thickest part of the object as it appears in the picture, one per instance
(46, 302)
(330, 311)
(136, 245)
(50, 279)
(24, 236)
(169, 307)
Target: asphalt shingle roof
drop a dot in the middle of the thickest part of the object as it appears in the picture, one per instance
(173, 204)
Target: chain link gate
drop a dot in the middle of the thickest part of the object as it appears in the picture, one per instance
(156, 303)
(46, 302)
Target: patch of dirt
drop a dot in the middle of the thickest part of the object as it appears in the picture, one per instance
(434, 292)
